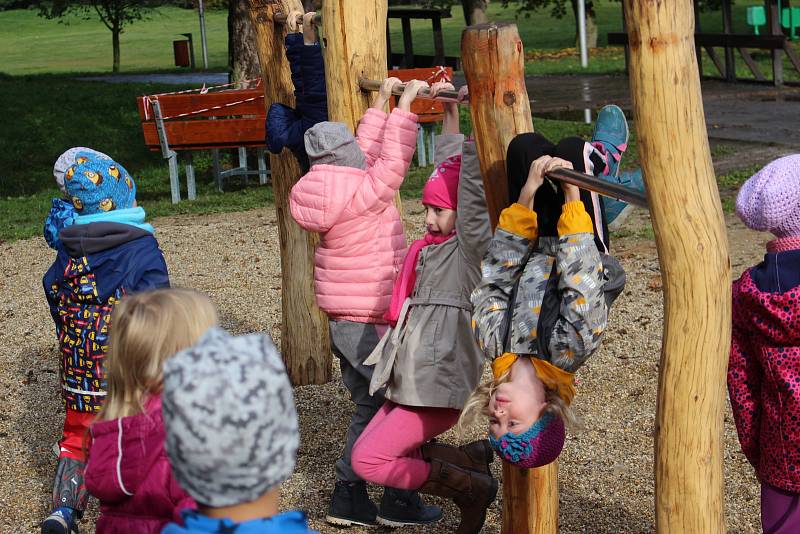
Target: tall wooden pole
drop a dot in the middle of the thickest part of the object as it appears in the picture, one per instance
(693, 254)
(305, 344)
(494, 65)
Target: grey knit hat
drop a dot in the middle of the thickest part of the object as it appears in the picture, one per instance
(332, 143)
(66, 160)
(230, 419)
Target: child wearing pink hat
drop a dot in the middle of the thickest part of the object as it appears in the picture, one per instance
(428, 361)
(764, 365)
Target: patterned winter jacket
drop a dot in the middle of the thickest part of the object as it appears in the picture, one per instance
(764, 366)
(362, 244)
(560, 287)
(96, 265)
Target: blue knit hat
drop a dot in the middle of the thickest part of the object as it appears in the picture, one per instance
(96, 184)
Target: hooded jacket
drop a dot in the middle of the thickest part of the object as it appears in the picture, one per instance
(764, 368)
(362, 244)
(96, 265)
(129, 473)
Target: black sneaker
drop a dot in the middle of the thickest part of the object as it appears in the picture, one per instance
(404, 507)
(351, 505)
(61, 521)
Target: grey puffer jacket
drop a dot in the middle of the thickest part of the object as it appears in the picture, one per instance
(431, 358)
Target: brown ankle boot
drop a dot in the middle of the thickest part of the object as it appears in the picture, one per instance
(475, 456)
(471, 491)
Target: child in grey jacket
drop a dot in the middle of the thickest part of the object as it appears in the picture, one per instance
(539, 312)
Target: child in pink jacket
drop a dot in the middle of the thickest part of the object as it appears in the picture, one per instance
(347, 197)
(128, 470)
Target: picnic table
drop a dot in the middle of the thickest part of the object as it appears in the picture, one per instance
(408, 59)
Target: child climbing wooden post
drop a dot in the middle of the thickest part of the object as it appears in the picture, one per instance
(693, 253)
(304, 330)
(493, 60)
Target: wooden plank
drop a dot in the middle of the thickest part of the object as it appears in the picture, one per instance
(715, 58)
(735, 40)
(221, 132)
(752, 65)
(424, 108)
(792, 55)
(417, 13)
(172, 105)
(692, 243)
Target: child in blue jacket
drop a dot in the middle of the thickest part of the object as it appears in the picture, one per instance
(106, 253)
(286, 126)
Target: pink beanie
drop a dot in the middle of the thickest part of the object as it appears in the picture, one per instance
(441, 189)
(769, 201)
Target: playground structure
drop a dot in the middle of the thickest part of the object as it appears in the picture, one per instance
(684, 205)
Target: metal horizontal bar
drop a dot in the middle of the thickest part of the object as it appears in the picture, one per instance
(398, 89)
(280, 18)
(598, 185)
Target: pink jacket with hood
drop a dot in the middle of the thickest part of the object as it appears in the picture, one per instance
(362, 244)
(129, 473)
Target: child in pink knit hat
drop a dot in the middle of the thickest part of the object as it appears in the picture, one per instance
(428, 361)
(764, 365)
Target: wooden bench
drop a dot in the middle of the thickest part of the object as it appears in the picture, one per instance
(408, 59)
(188, 121)
(742, 42)
(429, 111)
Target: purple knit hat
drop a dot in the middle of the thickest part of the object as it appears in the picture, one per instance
(769, 201)
(537, 446)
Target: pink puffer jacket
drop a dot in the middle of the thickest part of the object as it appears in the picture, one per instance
(362, 244)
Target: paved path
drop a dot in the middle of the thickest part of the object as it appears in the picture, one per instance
(745, 112)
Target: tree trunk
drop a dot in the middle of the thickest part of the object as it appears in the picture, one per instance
(474, 11)
(305, 344)
(242, 55)
(591, 24)
(115, 31)
(695, 267)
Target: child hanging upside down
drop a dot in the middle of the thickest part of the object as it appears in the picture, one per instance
(541, 308)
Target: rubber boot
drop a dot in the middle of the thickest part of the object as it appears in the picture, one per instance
(475, 456)
(69, 498)
(471, 491)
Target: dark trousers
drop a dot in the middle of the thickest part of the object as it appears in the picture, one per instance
(352, 343)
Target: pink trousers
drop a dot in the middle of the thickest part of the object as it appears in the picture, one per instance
(388, 451)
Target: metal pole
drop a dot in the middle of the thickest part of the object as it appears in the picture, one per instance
(203, 34)
(598, 185)
(582, 33)
(443, 96)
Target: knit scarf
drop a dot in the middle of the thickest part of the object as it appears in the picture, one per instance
(407, 276)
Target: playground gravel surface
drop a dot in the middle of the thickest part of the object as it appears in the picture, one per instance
(606, 473)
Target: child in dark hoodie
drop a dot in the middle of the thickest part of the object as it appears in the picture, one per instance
(128, 469)
(109, 251)
(286, 126)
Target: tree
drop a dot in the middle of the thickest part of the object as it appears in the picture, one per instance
(115, 14)
(242, 53)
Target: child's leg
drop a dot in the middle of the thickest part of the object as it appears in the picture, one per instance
(780, 510)
(585, 159)
(388, 451)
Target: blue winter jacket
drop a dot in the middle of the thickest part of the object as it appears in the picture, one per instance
(196, 523)
(286, 126)
(97, 264)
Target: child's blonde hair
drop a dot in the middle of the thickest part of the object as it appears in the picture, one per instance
(477, 405)
(146, 329)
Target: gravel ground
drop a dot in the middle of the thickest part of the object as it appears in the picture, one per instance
(606, 469)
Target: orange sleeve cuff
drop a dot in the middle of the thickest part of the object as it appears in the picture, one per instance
(574, 219)
(520, 221)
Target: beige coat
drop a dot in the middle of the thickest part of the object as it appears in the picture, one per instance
(431, 358)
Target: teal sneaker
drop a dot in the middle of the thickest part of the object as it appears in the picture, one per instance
(610, 137)
(617, 210)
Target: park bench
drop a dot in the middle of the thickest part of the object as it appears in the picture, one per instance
(742, 42)
(408, 59)
(191, 120)
(429, 112)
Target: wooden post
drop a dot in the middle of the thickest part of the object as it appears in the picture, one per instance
(727, 27)
(693, 255)
(305, 344)
(354, 46)
(494, 66)
(774, 23)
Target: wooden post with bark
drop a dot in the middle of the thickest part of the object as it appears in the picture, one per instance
(305, 344)
(493, 60)
(693, 255)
